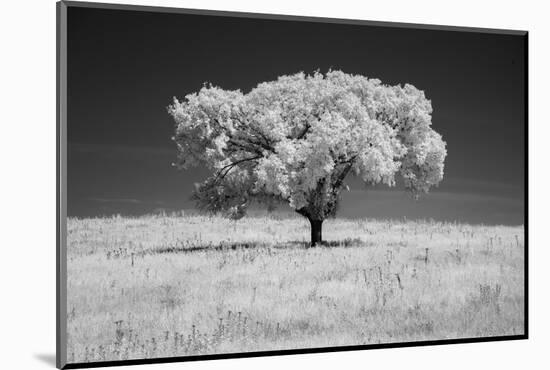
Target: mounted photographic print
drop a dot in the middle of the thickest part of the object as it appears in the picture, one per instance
(234, 184)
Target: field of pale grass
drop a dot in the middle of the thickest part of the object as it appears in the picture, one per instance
(161, 286)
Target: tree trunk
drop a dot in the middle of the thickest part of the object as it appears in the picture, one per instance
(316, 232)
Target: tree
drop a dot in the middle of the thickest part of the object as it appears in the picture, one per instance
(296, 140)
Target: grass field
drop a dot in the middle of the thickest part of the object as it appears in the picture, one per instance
(178, 285)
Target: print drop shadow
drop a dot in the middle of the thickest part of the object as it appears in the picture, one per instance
(46, 358)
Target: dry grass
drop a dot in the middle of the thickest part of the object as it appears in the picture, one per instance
(177, 285)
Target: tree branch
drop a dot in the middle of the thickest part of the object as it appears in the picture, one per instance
(230, 166)
(303, 212)
(342, 176)
(336, 185)
(350, 160)
(249, 149)
(267, 145)
(301, 134)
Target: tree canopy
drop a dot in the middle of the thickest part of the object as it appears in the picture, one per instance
(296, 139)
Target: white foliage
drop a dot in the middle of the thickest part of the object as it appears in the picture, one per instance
(296, 138)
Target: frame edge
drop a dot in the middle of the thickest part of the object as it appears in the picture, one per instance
(289, 17)
(61, 184)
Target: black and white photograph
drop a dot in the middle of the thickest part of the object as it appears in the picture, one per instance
(238, 184)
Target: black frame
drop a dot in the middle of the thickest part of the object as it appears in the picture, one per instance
(61, 186)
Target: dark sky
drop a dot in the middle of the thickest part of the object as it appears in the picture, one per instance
(124, 67)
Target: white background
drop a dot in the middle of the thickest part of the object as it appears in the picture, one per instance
(27, 207)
